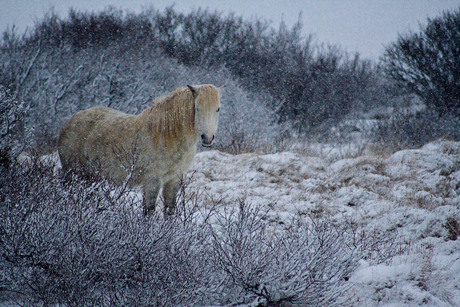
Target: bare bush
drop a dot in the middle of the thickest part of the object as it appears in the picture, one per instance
(308, 264)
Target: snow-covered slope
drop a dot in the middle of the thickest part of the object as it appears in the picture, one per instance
(412, 196)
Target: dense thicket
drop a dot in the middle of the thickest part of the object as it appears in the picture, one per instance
(99, 58)
(73, 241)
(428, 63)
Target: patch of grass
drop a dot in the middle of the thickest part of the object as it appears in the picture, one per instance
(452, 225)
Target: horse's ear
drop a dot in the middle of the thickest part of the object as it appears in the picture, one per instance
(193, 90)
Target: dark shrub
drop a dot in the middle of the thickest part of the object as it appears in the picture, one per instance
(409, 130)
(427, 63)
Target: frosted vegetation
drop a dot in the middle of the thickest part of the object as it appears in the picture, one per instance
(335, 180)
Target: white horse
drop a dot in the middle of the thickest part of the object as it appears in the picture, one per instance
(153, 149)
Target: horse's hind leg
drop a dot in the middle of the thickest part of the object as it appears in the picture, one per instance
(151, 190)
(170, 190)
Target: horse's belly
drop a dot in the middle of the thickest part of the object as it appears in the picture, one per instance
(170, 167)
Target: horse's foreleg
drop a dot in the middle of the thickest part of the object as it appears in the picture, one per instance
(151, 190)
(170, 190)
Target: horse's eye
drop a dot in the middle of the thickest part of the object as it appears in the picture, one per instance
(218, 109)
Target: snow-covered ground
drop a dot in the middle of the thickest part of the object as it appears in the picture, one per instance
(412, 196)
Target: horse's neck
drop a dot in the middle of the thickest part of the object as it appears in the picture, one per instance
(175, 131)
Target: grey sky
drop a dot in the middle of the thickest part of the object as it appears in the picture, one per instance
(363, 26)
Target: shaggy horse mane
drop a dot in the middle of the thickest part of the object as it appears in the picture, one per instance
(172, 117)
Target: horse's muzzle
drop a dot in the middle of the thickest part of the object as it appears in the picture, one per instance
(205, 141)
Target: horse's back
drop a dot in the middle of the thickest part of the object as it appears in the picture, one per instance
(80, 129)
(95, 115)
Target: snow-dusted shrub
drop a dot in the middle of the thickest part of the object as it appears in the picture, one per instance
(74, 241)
(70, 241)
(16, 65)
(307, 264)
(11, 126)
(246, 123)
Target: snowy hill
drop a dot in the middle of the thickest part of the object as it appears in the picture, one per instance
(411, 198)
